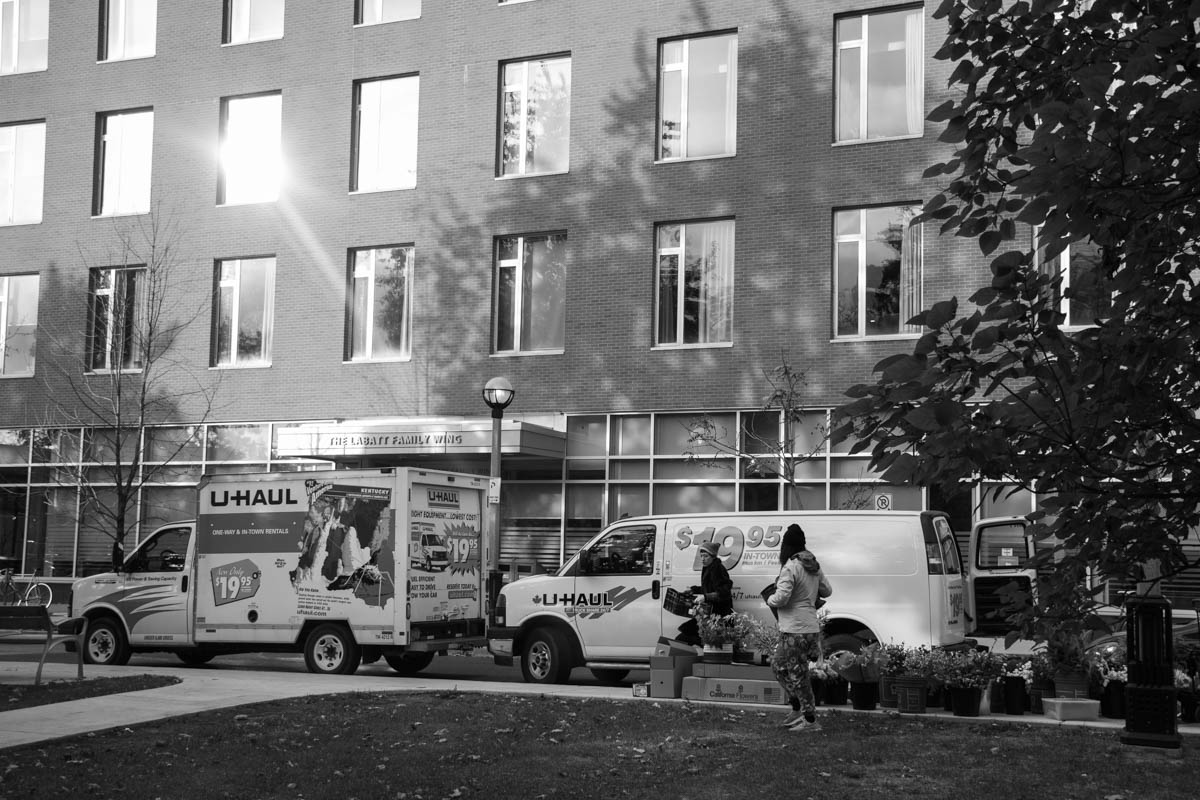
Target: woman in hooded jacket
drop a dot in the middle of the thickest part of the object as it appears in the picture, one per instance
(799, 585)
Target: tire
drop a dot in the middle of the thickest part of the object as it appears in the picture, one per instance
(39, 595)
(544, 658)
(610, 677)
(409, 663)
(331, 650)
(105, 644)
(429, 565)
(843, 641)
(194, 657)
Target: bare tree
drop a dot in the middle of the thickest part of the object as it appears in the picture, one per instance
(131, 374)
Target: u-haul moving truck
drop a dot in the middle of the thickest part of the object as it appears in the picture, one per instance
(896, 576)
(312, 562)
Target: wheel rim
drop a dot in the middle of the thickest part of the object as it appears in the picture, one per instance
(540, 661)
(101, 645)
(329, 653)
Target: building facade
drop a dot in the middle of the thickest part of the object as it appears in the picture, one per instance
(634, 210)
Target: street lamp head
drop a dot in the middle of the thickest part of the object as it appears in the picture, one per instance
(498, 393)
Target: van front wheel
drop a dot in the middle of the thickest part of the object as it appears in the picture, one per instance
(544, 658)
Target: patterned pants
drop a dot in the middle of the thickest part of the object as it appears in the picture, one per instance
(790, 665)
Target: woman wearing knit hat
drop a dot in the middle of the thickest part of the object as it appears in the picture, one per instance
(715, 590)
(797, 589)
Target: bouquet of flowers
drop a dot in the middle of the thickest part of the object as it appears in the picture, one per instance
(821, 671)
(1108, 665)
(865, 666)
(1041, 668)
(1183, 681)
(1017, 668)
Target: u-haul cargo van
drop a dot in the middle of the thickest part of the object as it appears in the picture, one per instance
(896, 576)
(311, 562)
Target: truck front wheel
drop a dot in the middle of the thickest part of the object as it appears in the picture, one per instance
(331, 650)
(544, 659)
(105, 643)
(409, 663)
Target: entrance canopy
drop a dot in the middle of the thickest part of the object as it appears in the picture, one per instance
(337, 441)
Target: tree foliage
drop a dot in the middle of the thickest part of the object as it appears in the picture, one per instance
(1080, 121)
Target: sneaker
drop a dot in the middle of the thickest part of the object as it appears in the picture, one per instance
(804, 726)
(791, 719)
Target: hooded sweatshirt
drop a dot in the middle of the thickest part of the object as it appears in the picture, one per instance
(797, 588)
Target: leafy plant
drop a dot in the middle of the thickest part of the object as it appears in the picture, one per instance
(896, 655)
(865, 666)
(973, 669)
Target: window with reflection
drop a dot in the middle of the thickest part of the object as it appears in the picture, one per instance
(242, 312)
(22, 172)
(18, 323)
(880, 75)
(535, 116)
(380, 308)
(24, 35)
(530, 299)
(124, 153)
(697, 97)
(385, 134)
(375, 12)
(877, 275)
(252, 21)
(127, 29)
(694, 303)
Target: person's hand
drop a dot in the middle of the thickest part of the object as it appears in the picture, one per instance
(697, 590)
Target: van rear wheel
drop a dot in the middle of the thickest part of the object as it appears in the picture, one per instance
(608, 676)
(409, 663)
(544, 658)
(331, 650)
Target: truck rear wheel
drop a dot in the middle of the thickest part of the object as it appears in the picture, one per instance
(105, 643)
(331, 650)
(409, 663)
(544, 659)
(194, 657)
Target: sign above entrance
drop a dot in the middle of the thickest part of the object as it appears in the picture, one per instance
(451, 437)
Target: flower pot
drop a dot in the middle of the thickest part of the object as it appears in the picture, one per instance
(1112, 700)
(835, 692)
(1187, 706)
(1037, 691)
(741, 656)
(912, 694)
(965, 700)
(864, 695)
(887, 691)
(995, 697)
(818, 689)
(1014, 696)
(717, 654)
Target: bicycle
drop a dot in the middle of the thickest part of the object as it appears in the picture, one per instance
(35, 594)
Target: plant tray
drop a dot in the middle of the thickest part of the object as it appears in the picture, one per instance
(1066, 709)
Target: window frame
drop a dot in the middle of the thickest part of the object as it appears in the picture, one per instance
(224, 140)
(864, 76)
(11, 50)
(523, 137)
(520, 304)
(863, 240)
(102, 168)
(684, 110)
(1062, 267)
(352, 274)
(134, 318)
(18, 181)
(6, 326)
(382, 135)
(227, 21)
(680, 297)
(104, 52)
(234, 358)
(359, 13)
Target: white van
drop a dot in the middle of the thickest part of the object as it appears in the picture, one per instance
(897, 577)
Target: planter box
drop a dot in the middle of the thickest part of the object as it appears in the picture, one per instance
(1065, 709)
(727, 690)
(667, 674)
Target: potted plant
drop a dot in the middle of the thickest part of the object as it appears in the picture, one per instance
(862, 670)
(966, 673)
(1109, 671)
(1185, 690)
(891, 669)
(1015, 679)
(913, 681)
(716, 634)
(748, 634)
(1041, 681)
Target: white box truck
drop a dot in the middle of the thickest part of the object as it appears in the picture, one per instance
(897, 577)
(311, 562)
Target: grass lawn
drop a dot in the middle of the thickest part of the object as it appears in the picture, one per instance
(456, 745)
(14, 696)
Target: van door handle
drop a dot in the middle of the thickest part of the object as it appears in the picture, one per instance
(183, 584)
(656, 589)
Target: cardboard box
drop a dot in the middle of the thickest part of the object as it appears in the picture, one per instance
(747, 672)
(692, 688)
(641, 690)
(727, 690)
(1065, 709)
(667, 674)
(671, 647)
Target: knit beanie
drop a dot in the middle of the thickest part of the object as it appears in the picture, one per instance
(793, 543)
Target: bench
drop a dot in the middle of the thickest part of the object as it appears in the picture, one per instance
(37, 618)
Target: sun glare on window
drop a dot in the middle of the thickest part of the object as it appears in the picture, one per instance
(251, 151)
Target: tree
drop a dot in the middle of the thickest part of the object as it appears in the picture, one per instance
(130, 375)
(1079, 121)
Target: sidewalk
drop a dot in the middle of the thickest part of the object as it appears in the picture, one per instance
(207, 690)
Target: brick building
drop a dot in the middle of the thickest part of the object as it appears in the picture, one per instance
(631, 209)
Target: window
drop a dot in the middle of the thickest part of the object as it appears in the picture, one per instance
(22, 170)
(385, 134)
(24, 35)
(18, 323)
(127, 29)
(251, 149)
(535, 116)
(243, 303)
(697, 97)
(531, 277)
(880, 75)
(379, 324)
(625, 551)
(118, 319)
(1085, 296)
(695, 282)
(252, 21)
(877, 271)
(124, 146)
(373, 12)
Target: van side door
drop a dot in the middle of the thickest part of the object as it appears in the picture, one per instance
(616, 608)
(156, 603)
(1000, 551)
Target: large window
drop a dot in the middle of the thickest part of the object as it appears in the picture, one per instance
(535, 116)
(252, 21)
(697, 97)
(251, 149)
(880, 75)
(1085, 296)
(127, 29)
(373, 12)
(118, 319)
(22, 171)
(695, 282)
(18, 323)
(385, 134)
(531, 278)
(243, 307)
(877, 271)
(123, 156)
(379, 324)
(24, 35)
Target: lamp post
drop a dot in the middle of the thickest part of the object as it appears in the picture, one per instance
(498, 393)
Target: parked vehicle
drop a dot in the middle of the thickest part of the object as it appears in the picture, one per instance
(897, 577)
(311, 562)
